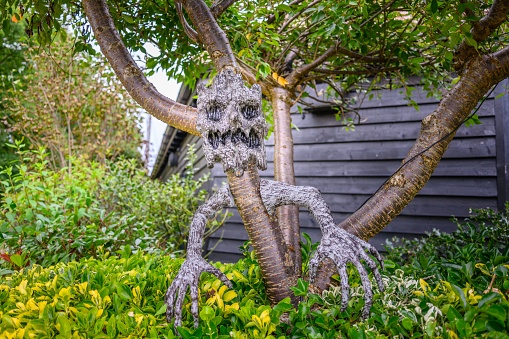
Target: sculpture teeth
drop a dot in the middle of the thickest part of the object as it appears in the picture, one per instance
(251, 141)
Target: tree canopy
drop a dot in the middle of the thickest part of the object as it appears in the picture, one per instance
(348, 44)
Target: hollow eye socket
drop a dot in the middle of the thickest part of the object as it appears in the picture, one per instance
(249, 111)
(214, 112)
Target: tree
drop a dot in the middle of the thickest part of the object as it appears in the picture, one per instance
(287, 47)
(71, 104)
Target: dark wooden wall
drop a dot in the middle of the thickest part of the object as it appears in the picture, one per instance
(349, 166)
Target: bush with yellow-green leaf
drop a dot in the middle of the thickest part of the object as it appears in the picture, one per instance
(122, 297)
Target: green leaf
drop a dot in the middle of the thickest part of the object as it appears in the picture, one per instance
(207, 313)
(459, 292)
(479, 326)
(65, 326)
(496, 311)
(17, 260)
(111, 327)
(407, 323)
(161, 310)
(471, 41)
(301, 289)
(124, 292)
(185, 333)
(128, 18)
(488, 299)
(11, 217)
(434, 6)
(283, 306)
(495, 325)
(497, 335)
(453, 314)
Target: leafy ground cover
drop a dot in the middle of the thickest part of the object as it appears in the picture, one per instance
(49, 216)
(435, 288)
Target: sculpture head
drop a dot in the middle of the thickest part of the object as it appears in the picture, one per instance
(231, 123)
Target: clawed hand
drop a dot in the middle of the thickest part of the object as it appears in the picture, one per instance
(342, 247)
(189, 276)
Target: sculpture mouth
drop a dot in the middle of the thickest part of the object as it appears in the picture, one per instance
(252, 140)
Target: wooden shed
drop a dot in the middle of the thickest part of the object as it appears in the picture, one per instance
(349, 166)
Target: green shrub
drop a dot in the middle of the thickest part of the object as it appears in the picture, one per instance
(49, 216)
(481, 243)
(121, 297)
(166, 208)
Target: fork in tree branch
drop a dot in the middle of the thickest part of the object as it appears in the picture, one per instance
(229, 119)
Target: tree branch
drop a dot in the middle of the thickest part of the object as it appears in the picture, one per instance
(272, 17)
(246, 72)
(358, 72)
(190, 32)
(289, 21)
(218, 8)
(437, 131)
(210, 34)
(480, 31)
(143, 92)
(298, 74)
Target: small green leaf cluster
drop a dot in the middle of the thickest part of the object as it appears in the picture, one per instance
(122, 296)
(107, 297)
(479, 245)
(51, 215)
(465, 274)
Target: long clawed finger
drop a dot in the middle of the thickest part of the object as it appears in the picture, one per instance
(217, 272)
(366, 285)
(194, 304)
(313, 266)
(372, 250)
(178, 306)
(169, 298)
(372, 265)
(345, 287)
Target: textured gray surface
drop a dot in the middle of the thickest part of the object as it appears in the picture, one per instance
(340, 246)
(336, 244)
(194, 265)
(231, 122)
(233, 130)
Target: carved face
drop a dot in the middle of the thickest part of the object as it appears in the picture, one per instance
(231, 123)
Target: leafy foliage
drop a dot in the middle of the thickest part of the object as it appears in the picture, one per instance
(375, 40)
(13, 47)
(118, 297)
(49, 216)
(479, 244)
(72, 105)
(165, 207)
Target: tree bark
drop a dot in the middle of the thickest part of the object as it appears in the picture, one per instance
(480, 74)
(266, 237)
(287, 216)
(210, 34)
(275, 262)
(143, 92)
(480, 31)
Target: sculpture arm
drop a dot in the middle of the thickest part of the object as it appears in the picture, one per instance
(194, 265)
(336, 244)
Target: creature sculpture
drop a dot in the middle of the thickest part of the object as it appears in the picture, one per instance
(233, 128)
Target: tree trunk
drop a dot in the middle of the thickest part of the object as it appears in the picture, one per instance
(437, 131)
(287, 216)
(266, 237)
